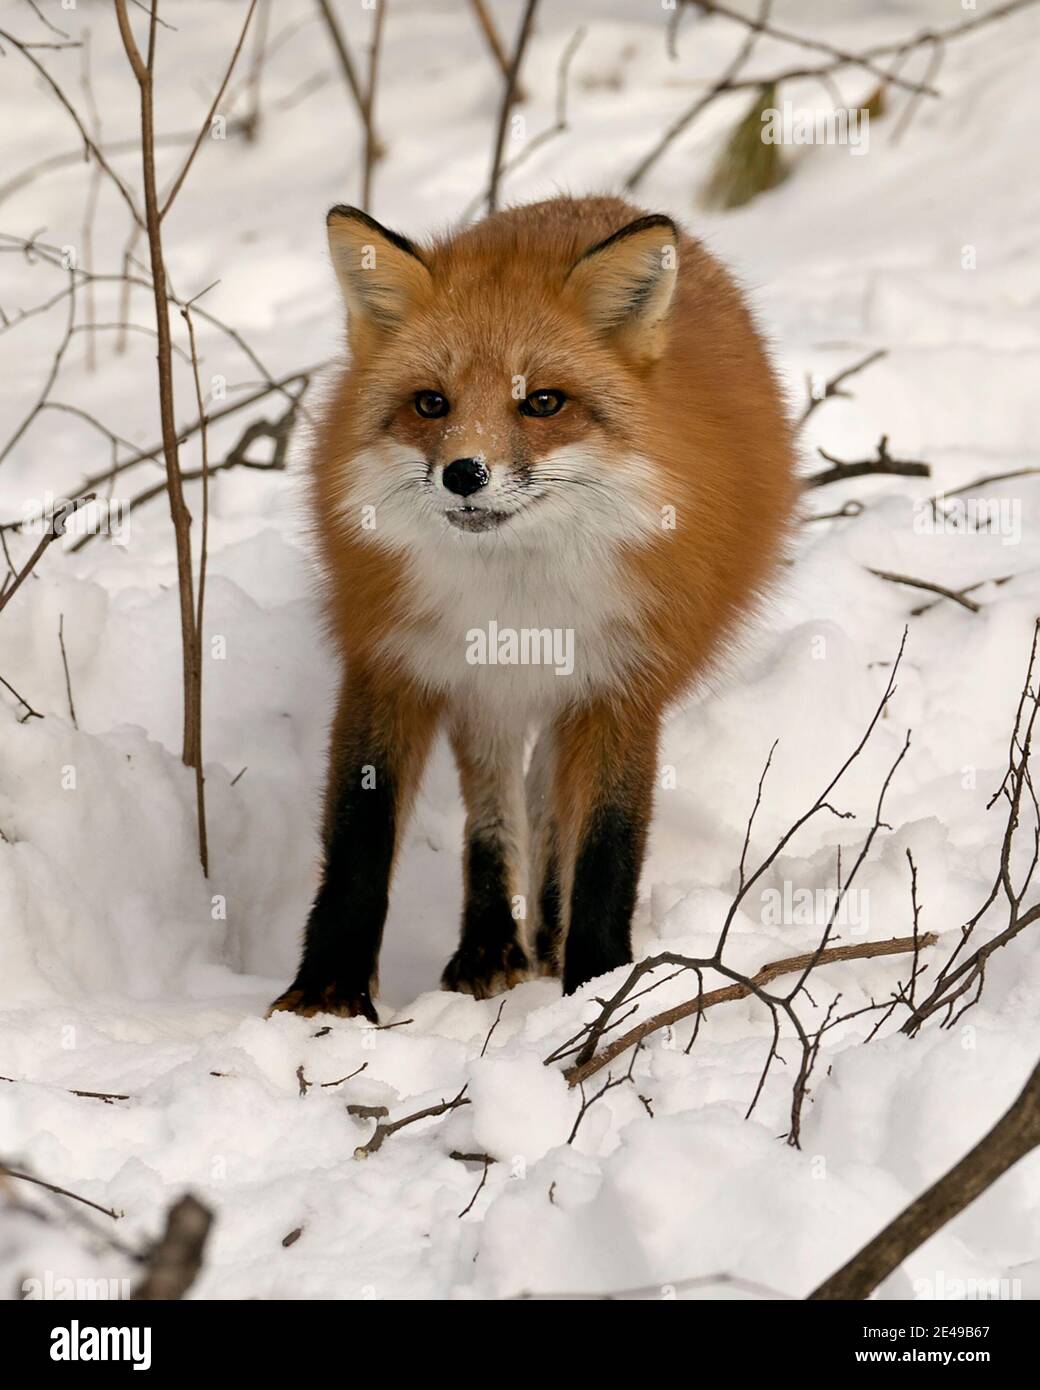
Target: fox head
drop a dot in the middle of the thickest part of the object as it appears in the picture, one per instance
(501, 379)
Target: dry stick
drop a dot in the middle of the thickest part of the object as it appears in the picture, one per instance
(558, 127)
(364, 98)
(956, 596)
(884, 463)
(508, 101)
(65, 664)
(61, 1191)
(46, 22)
(832, 387)
(480, 1187)
(55, 528)
(179, 180)
(90, 210)
(983, 482)
(491, 1030)
(383, 1130)
(968, 589)
(850, 508)
(200, 779)
(342, 52)
(494, 43)
(176, 1258)
(587, 1102)
(372, 147)
(1015, 1134)
(30, 713)
(350, 1075)
(251, 122)
(143, 69)
(897, 945)
(107, 1096)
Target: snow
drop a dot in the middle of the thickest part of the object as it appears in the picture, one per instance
(122, 970)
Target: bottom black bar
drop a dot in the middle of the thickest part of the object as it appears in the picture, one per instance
(79, 1338)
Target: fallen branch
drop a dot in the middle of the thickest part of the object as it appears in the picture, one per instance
(884, 463)
(583, 1046)
(384, 1130)
(107, 1096)
(479, 1189)
(61, 1191)
(1015, 1134)
(954, 595)
(896, 945)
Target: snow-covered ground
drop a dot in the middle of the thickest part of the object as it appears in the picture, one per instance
(123, 970)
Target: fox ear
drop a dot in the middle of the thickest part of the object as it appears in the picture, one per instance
(625, 284)
(380, 273)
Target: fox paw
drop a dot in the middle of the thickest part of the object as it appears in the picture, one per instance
(486, 970)
(331, 999)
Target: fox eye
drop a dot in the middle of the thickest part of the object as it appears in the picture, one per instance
(431, 405)
(542, 403)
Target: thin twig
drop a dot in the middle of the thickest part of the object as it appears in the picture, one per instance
(65, 665)
(384, 1129)
(508, 101)
(883, 463)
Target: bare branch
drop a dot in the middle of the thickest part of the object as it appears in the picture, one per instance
(509, 100)
(832, 387)
(1015, 1134)
(384, 1129)
(884, 463)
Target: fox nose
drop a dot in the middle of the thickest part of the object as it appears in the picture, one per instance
(465, 476)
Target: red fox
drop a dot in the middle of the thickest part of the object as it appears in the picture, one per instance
(554, 476)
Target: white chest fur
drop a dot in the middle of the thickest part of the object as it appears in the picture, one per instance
(515, 632)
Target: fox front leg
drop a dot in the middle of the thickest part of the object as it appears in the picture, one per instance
(380, 741)
(606, 760)
(490, 956)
